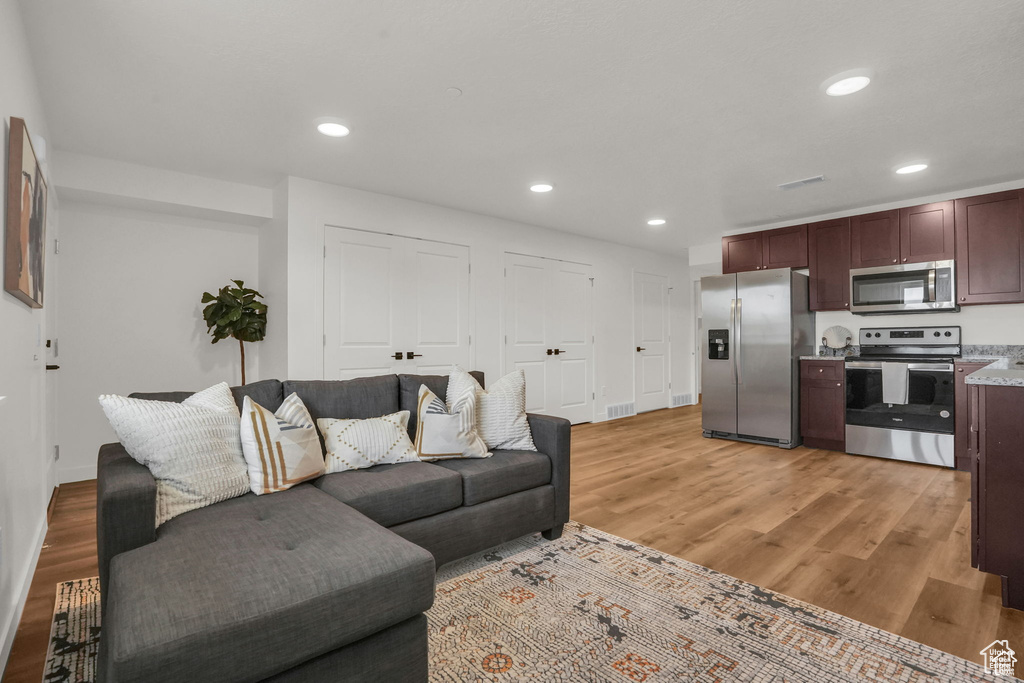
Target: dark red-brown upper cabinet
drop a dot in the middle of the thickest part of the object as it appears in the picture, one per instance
(875, 239)
(990, 248)
(741, 252)
(926, 233)
(828, 258)
(784, 247)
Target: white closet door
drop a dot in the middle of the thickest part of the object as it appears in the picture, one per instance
(527, 336)
(651, 329)
(437, 290)
(363, 304)
(387, 298)
(548, 334)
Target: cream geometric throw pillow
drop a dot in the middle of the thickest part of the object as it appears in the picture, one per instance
(358, 444)
(192, 448)
(281, 449)
(444, 435)
(500, 411)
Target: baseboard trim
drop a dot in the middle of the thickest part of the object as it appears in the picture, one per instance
(67, 475)
(10, 629)
(53, 505)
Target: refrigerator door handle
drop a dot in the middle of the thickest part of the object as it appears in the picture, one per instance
(738, 355)
(732, 331)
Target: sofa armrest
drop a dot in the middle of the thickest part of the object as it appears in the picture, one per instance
(551, 436)
(125, 506)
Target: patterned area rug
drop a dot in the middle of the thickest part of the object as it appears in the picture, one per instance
(594, 607)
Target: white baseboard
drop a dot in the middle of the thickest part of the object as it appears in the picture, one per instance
(71, 474)
(10, 629)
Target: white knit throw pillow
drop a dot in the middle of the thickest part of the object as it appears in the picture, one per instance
(281, 448)
(500, 411)
(442, 434)
(192, 448)
(358, 444)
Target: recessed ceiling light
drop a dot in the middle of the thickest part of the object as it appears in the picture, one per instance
(542, 187)
(656, 221)
(332, 128)
(847, 82)
(911, 168)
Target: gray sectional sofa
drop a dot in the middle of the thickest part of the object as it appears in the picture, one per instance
(327, 581)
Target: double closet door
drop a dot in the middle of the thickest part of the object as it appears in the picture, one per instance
(393, 305)
(549, 334)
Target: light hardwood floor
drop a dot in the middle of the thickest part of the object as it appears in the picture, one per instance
(880, 541)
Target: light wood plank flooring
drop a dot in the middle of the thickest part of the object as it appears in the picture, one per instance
(880, 541)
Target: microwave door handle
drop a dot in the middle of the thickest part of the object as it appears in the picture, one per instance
(931, 285)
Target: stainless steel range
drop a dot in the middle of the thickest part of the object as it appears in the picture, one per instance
(899, 394)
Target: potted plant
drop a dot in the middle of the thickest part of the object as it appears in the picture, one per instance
(235, 312)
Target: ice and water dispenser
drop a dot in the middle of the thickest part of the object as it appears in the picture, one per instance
(718, 344)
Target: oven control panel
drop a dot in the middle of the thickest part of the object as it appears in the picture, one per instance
(910, 336)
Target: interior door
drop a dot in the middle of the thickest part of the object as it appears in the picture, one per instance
(548, 334)
(651, 372)
(393, 304)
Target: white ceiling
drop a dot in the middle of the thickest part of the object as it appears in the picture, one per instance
(687, 109)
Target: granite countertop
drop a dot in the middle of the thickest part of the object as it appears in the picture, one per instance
(822, 357)
(1005, 372)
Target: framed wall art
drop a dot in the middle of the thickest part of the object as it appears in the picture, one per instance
(25, 235)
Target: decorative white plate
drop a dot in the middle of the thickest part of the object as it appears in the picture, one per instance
(837, 337)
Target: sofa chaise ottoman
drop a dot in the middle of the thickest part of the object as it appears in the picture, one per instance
(327, 581)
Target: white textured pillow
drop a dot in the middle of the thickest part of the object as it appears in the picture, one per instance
(281, 449)
(500, 411)
(192, 448)
(357, 444)
(442, 434)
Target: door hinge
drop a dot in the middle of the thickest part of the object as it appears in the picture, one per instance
(471, 268)
(325, 251)
(506, 340)
(56, 453)
(56, 246)
(593, 396)
(325, 340)
(470, 340)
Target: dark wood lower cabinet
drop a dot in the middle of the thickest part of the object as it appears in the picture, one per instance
(962, 447)
(997, 480)
(823, 404)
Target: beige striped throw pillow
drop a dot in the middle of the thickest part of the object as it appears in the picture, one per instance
(442, 434)
(282, 448)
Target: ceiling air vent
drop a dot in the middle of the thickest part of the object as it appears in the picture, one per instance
(800, 183)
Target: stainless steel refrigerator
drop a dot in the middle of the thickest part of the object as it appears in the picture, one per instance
(757, 325)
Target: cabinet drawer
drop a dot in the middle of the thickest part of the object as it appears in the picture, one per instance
(822, 369)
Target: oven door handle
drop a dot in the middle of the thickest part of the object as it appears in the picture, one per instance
(877, 365)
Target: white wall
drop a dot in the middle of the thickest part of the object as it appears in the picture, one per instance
(26, 472)
(990, 324)
(130, 289)
(311, 205)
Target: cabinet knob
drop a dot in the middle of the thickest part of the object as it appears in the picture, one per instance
(963, 298)
(904, 260)
(839, 384)
(821, 369)
(846, 305)
(894, 260)
(959, 369)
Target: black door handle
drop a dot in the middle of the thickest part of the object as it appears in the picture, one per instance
(409, 355)
(53, 367)
(641, 348)
(550, 352)
(558, 351)
(398, 355)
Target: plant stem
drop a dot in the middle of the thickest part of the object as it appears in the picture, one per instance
(241, 347)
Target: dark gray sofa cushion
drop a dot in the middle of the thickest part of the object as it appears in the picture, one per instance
(503, 473)
(392, 494)
(268, 393)
(409, 392)
(356, 399)
(252, 586)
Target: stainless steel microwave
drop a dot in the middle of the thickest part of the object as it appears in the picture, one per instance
(910, 287)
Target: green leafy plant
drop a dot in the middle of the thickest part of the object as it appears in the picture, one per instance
(234, 312)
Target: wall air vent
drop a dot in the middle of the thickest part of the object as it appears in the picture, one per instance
(621, 410)
(679, 400)
(800, 183)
